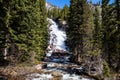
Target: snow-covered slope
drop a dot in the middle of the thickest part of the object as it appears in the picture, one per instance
(49, 6)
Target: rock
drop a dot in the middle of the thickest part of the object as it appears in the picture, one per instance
(57, 78)
(13, 73)
(47, 59)
(56, 74)
(44, 66)
(39, 67)
(58, 65)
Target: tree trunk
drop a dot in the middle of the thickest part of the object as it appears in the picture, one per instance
(5, 53)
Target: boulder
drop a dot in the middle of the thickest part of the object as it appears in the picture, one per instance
(41, 66)
(44, 66)
(38, 67)
(13, 73)
(56, 74)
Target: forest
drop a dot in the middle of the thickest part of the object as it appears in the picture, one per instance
(93, 33)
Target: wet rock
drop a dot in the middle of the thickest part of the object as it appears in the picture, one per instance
(44, 66)
(79, 71)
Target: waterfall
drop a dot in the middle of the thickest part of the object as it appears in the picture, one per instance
(57, 39)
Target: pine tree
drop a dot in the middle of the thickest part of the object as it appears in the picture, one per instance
(117, 34)
(105, 28)
(97, 22)
(43, 29)
(49, 14)
(24, 28)
(64, 12)
(21, 25)
(4, 28)
(73, 29)
(88, 25)
(97, 34)
(110, 24)
(55, 12)
(80, 28)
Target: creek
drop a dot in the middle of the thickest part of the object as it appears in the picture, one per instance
(57, 65)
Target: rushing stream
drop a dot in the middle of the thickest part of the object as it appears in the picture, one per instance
(57, 58)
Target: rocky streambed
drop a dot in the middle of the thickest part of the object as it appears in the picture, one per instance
(43, 71)
(57, 65)
(57, 71)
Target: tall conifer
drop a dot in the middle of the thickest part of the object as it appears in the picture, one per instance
(64, 12)
(80, 28)
(23, 29)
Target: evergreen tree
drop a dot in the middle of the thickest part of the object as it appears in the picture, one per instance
(110, 24)
(80, 28)
(88, 25)
(97, 34)
(64, 12)
(55, 12)
(97, 22)
(105, 28)
(49, 14)
(117, 35)
(44, 30)
(4, 28)
(73, 30)
(24, 29)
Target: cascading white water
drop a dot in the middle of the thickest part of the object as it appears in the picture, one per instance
(57, 38)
